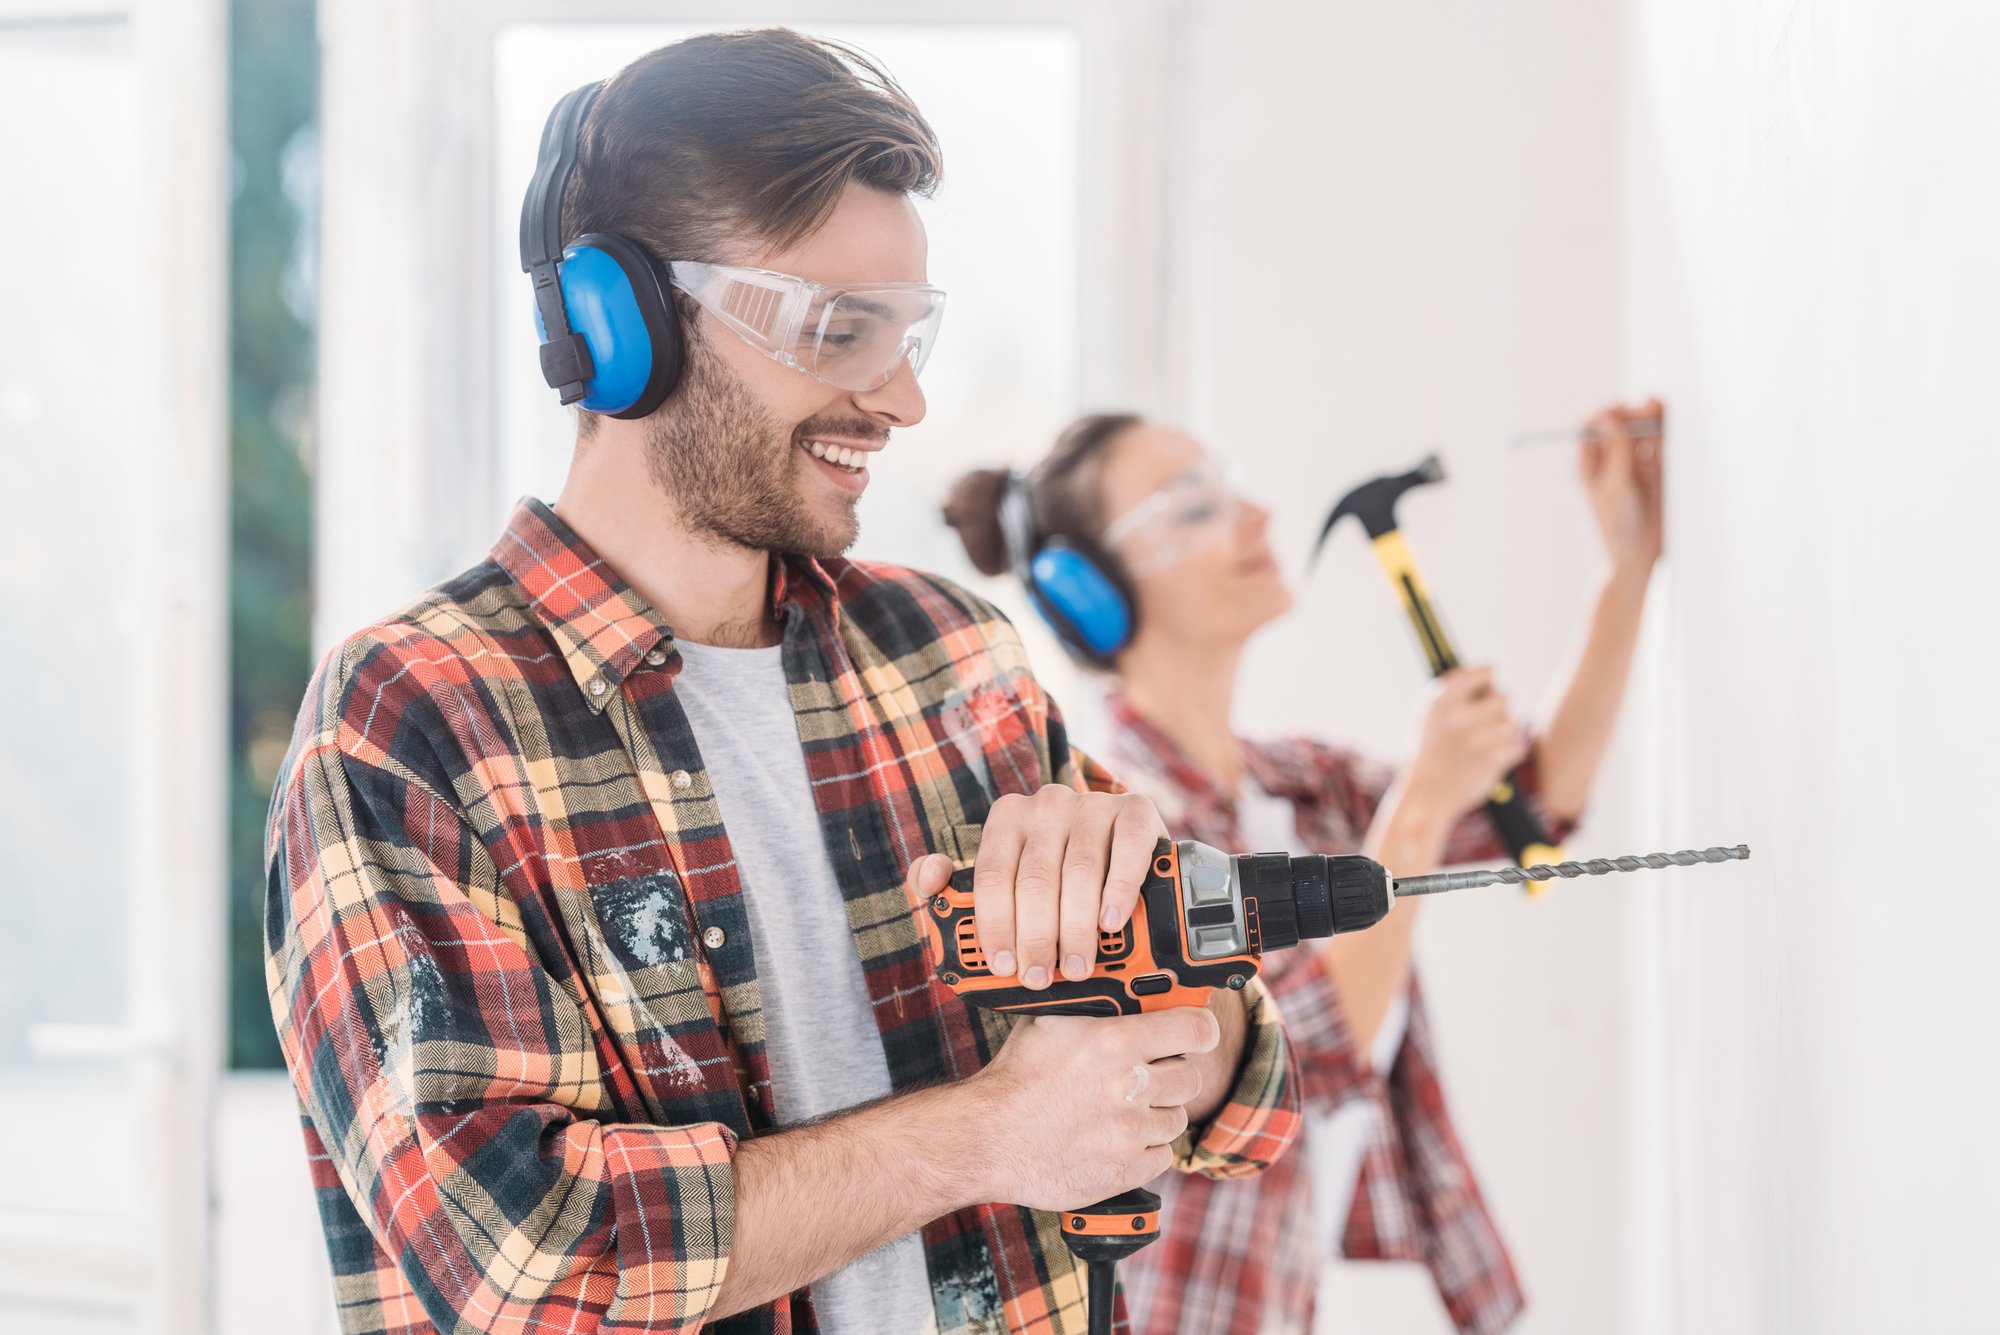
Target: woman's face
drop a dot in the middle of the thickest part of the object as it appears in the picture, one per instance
(1198, 555)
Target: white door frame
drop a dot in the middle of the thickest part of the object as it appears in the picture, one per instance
(406, 483)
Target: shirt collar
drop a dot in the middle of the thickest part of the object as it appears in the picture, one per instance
(603, 625)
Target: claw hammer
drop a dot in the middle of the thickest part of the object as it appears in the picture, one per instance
(1374, 504)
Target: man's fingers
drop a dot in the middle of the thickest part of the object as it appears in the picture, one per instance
(927, 876)
(1173, 1082)
(1176, 1032)
(1164, 1125)
(993, 887)
(1052, 871)
(1037, 901)
(1135, 832)
(1084, 862)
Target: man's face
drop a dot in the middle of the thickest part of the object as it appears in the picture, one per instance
(734, 445)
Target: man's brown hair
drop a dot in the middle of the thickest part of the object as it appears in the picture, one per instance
(746, 135)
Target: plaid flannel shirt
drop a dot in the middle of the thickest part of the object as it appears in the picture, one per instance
(1239, 1257)
(511, 965)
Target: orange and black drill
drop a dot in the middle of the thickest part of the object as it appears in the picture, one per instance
(1204, 919)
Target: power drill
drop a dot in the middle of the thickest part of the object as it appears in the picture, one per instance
(1203, 920)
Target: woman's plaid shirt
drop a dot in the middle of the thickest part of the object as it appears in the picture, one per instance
(511, 966)
(1237, 1258)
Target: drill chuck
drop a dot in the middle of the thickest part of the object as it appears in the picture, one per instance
(1311, 896)
(1361, 894)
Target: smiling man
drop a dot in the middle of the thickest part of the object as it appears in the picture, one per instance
(588, 928)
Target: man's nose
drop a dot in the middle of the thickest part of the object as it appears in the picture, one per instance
(897, 403)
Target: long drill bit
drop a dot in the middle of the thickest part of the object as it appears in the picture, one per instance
(1440, 882)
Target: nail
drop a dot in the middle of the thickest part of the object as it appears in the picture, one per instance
(1037, 976)
(1109, 922)
(1003, 964)
(1076, 968)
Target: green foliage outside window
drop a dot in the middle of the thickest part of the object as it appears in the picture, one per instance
(273, 121)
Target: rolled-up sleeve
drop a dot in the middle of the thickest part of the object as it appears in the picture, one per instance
(454, 1081)
(1260, 1119)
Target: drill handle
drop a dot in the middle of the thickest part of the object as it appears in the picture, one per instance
(1113, 1228)
(1104, 1234)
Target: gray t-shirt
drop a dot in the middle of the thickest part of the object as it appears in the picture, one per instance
(819, 1032)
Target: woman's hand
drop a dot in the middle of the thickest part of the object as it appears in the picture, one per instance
(1621, 475)
(1470, 740)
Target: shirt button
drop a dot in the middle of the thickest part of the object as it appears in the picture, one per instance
(656, 657)
(597, 686)
(714, 937)
(682, 780)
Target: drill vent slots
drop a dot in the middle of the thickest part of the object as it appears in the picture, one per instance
(1110, 945)
(970, 956)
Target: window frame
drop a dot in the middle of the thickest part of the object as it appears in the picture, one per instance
(173, 1032)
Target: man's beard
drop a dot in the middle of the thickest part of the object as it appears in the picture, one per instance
(734, 472)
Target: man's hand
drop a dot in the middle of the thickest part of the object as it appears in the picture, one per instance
(1076, 1109)
(1054, 869)
(1073, 1109)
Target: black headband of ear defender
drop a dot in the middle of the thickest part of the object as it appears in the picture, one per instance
(566, 363)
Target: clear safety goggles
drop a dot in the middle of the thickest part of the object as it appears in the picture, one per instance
(1194, 511)
(852, 338)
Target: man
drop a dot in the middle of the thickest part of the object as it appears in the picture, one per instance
(588, 928)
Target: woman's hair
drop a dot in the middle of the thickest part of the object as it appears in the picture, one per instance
(1065, 498)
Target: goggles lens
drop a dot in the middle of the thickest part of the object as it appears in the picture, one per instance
(1189, 514)
(851, 338)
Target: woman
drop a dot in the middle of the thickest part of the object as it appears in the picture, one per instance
(1380, 1173)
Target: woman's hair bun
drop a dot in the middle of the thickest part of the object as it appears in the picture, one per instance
(972, 507)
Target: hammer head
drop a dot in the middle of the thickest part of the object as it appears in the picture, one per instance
(1374, 502)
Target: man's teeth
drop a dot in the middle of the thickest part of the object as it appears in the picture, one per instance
(838, 454)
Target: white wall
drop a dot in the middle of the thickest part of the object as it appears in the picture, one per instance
(1412, 218)
(1814, 190)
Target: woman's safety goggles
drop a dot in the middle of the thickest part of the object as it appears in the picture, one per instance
(852, 338)
(1192, 512)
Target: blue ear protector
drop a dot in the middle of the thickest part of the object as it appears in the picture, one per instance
(1081, 598)
(604, 309)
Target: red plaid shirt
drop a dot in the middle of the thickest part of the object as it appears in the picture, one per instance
(1239, 1256)
(511, 964)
